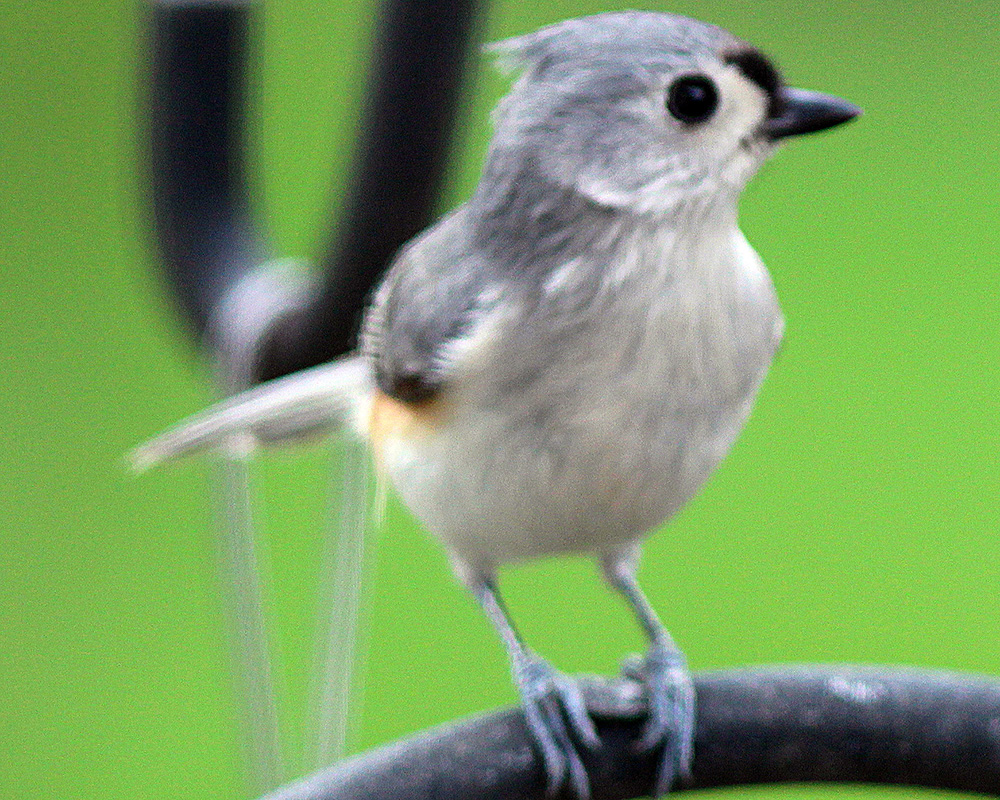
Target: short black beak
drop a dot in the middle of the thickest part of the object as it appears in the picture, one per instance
(801, 111)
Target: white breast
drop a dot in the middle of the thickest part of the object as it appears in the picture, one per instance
(582, 432)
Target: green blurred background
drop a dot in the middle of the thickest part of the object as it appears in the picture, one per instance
(855, 520)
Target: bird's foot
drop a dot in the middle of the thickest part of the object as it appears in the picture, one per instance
(670, 721)
(556, 715)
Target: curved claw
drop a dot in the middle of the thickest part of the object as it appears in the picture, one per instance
(670, 721)
(573, 704)
(547, 696)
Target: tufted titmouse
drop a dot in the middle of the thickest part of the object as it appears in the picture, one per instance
(560, 363)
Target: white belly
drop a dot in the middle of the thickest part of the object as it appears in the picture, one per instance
(607, 435)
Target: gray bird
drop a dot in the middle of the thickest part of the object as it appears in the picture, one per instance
(560, 363)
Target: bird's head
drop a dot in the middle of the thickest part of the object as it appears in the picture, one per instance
(641, 110)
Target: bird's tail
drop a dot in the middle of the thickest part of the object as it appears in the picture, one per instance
(285, 408)
(310, 401)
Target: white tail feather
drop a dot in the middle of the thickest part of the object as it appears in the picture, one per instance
(285, 408)
(309, 401)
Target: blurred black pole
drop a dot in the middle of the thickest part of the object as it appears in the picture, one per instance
(204, 226)
(420, 59)
(209, 244)
(256, 320)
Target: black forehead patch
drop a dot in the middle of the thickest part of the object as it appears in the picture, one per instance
(756, 67)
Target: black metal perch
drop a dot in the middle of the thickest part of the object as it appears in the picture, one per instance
(770, 725)
(755, 726)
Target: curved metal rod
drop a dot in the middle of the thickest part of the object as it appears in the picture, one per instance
(801, 724)
(205, 227)
(258, 321)
(420, 61)
(209, 243)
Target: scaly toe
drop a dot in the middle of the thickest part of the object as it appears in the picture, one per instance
(576, 711)
(554, 760)
(547, 696)
(670, 720)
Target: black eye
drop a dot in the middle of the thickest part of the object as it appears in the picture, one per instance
(692, 98)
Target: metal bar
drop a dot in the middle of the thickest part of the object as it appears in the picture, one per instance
(210, 247)
(203, 222)
(755, 726)
(420, 61)
(257, 319)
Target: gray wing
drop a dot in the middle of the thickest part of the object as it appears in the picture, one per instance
(434, 294)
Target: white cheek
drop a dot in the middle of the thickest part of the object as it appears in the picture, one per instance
(743, 106)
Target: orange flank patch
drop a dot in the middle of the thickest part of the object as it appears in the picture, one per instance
(391, 420)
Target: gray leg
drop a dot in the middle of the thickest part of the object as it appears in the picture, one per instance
(546, 696)
(670, 692)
